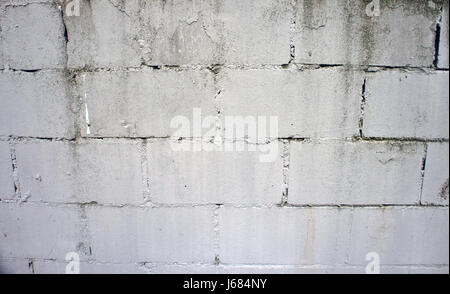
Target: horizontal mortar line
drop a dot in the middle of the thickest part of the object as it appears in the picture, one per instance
(24, 138)
(33, 70)
(49, 2)
(330, 266)
(255, 66)
(214, 205)
(289, 66)
(7, 138)
(406, 139)
(96, 261)
(289, 205)
(268, 265)
(213, 67)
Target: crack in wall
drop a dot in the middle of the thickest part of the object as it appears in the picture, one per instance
(120, 7)
(437, 40)
(31, 266)
(66, 37)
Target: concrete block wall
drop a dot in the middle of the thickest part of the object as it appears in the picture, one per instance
(87, 163)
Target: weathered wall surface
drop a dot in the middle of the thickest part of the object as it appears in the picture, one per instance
(86, 163)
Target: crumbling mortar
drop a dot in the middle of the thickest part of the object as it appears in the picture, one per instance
(295, 66)
(362, 108)
(422, 171)
(84, 247)
(216, 205)
(144, 170)
(286, 164)
(15, 173)
(216, 217)
(31, 265)
(147, 266)
(150, 139)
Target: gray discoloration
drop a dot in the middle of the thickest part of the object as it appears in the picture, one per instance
(88, 163)
(444, 190)
(347, 35)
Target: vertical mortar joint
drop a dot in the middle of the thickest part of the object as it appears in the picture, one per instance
(363, 108)
(422, 171)
(286, 165)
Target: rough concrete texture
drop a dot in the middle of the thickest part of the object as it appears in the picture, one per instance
(33, 37)
(1, 49)
(142, 104)
(310, 103)
(340, 32)
(39, 231)
(6, 176)
(401, 104)
(212, 177)
(443, 56)
(96, 171)
(36, 105)
(89, 162)
(179, 32)
(382, 230)
(435, 182)
(331, 236)
(182, 234)
(351, 172)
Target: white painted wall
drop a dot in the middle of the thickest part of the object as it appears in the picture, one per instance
(87, 163)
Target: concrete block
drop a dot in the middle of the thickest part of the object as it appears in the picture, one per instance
(104, 35)
(107, 172)
(305, 105)
(212, 176)
(291, 269)
(435, 182)
(6, 172)
(357, 173)
(341, 32)
(336, 269)
(33, 37)
(142, 104)
(400, 236)
(444, 38)
(221, 32)
(52, 267)
(283, 236)
(415, 270)
(36, 105)
(1, 45)
(125, 235)
(407, 104)
(177, 269)
(16, 266)
(44, 267)
(38, 231)
(120, 34)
